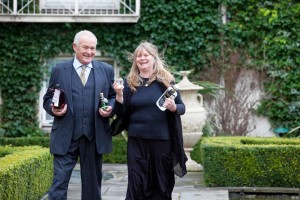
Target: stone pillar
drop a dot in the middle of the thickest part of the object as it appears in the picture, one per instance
(194, 118)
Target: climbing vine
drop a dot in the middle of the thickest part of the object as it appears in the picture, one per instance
(270, 32)
(190, 33)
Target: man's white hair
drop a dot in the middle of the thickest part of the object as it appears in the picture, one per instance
(81, 33)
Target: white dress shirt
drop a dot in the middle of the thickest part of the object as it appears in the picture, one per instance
(77, 66)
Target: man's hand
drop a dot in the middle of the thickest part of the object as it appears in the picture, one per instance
(59, 111)
(105, 113)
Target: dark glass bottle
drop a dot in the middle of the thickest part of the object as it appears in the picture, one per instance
(58, 99)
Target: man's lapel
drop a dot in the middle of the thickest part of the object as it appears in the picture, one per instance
(98, 75)
(67, 78)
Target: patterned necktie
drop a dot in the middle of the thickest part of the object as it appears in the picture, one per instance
(82, 74)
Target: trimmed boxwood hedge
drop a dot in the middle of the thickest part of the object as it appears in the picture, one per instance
(251, 162)
(25, 141)
(25, 172)
(117, 156)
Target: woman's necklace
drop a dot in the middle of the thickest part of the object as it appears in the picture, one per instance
(145, 82)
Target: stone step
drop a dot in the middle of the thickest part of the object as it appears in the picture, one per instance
(205, 195)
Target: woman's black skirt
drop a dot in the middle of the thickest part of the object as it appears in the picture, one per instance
(150, 174)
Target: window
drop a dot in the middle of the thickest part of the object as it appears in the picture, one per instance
(46, 119)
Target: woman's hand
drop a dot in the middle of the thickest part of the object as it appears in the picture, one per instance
(119, 90)
(170, 104)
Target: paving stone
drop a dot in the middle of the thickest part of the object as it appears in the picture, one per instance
(114, 185)
(205, 195)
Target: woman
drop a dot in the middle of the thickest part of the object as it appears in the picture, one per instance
(155, 149)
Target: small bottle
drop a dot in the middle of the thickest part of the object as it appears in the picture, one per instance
(103, 102)
(120, 81)
(171, 92)
(58, 99)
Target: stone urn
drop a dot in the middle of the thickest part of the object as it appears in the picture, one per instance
(194, 118)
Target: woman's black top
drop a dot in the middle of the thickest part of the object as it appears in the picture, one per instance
(146, 119)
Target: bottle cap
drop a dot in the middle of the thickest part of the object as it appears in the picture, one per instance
(175, 87)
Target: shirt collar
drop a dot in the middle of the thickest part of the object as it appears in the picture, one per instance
(77, 64)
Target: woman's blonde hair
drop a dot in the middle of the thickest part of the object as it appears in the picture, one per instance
(160, 72)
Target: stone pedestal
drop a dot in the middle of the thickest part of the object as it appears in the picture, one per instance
(189, 140)
(194, 118)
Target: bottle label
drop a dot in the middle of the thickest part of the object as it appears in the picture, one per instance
(58, 99)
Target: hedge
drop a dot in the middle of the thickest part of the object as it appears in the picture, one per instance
(118, 154)
(25, 172)
(251, 162)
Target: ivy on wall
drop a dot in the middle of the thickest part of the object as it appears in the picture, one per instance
(281, 43)
(189, 32)
(269, 30)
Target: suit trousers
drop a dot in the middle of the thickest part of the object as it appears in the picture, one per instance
(90, 170)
